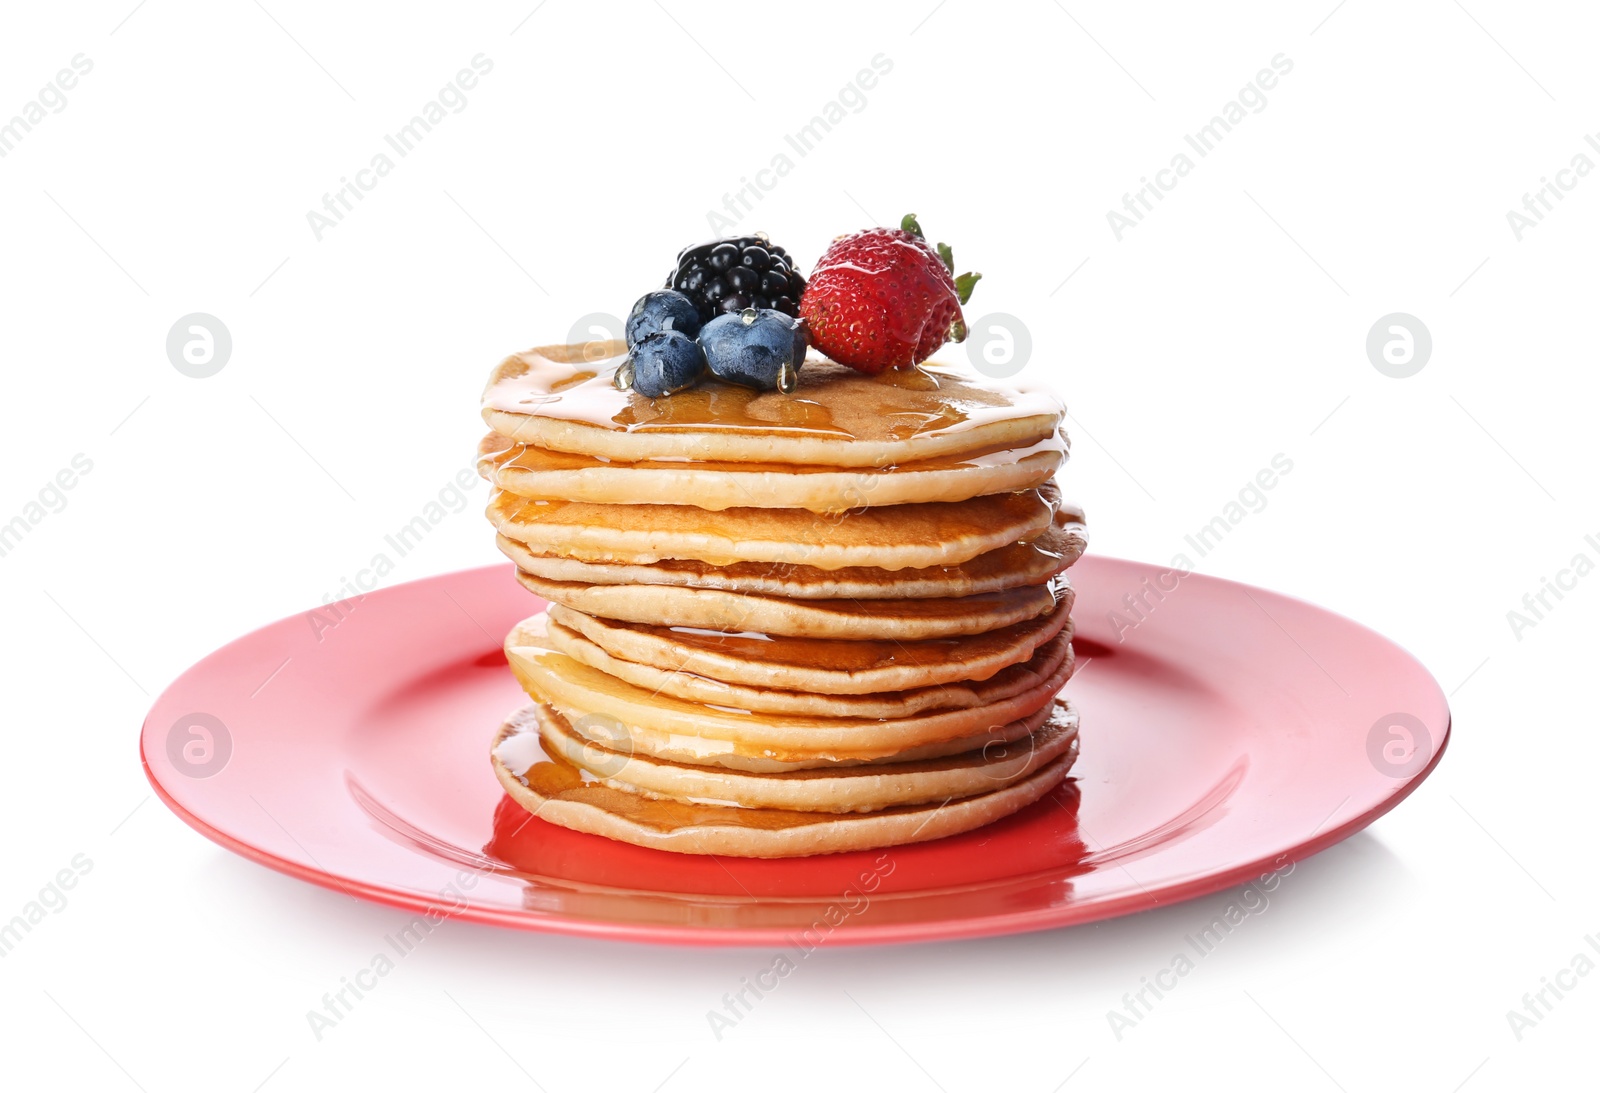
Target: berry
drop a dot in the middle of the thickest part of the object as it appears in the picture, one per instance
(883, 298)
(662, 364)
(763, 349)
(661, 310)
(729, 275)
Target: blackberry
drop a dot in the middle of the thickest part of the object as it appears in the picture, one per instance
(729, 275)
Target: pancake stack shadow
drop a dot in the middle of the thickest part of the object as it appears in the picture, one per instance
(782, 625)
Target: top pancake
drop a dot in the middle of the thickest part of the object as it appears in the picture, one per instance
(554, 398)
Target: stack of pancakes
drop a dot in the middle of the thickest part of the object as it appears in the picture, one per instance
(781, 624)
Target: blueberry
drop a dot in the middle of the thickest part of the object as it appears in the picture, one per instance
(763, 349)
(662, 363)
(661, 310)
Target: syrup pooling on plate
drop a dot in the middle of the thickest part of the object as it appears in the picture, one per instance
(831, 401)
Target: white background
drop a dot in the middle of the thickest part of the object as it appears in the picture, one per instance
(1227, 327)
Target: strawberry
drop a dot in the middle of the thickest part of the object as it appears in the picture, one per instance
(883, 298)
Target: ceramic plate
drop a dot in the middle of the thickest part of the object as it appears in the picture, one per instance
(1227, 731)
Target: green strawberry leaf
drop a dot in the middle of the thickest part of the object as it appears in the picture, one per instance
(908, 223)
(945, 256)
(964, 285)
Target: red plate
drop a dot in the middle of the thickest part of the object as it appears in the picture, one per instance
(1230, 731)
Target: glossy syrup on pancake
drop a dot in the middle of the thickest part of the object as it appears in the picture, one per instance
(553, 396)
(863, 788)
(1030, 561)
(898, 620)
(557, 790)
(544, 474)
(981, 687)
(496, 453)
(580, 692)
(831, 665)
(892, 537)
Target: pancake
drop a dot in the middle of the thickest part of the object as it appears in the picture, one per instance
(577, 692)
(695, 688)
(703, 751)
(558, 792)
(892, 537)
(819, 666)
(1031, 562)
(553, 398)
(542, 474)
(899, 620)
(846, 789)
(1023, 563)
